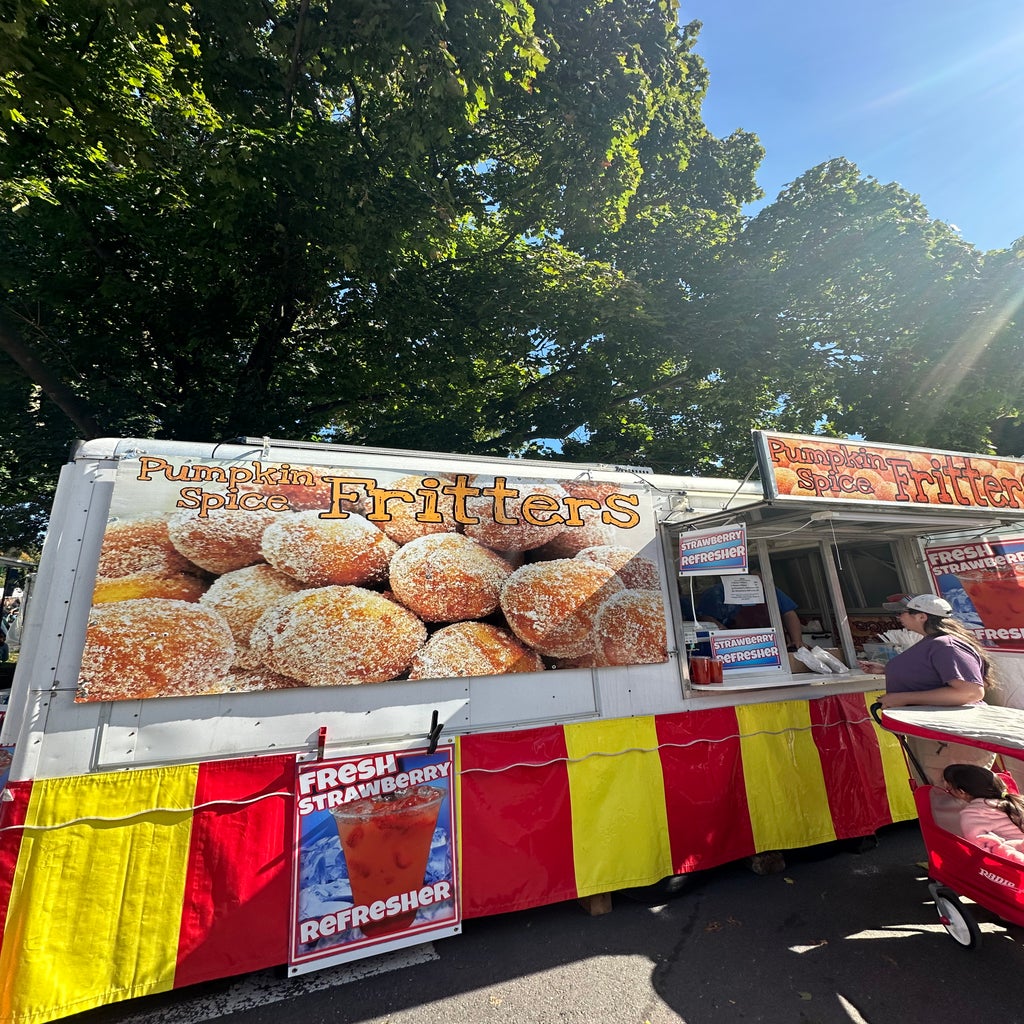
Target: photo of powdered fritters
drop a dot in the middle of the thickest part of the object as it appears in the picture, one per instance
(336, 636)
(242, 597)
(320, 594)
(551, 606)
(635, 571)
(447, 578)
(520, 534)
(154, 648)
(473, 649)
(222, 541)
(325, 552)
(631, 628)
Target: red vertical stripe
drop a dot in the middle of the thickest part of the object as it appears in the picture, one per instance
(851, 764)
(708, 820)
(517, 848)
(12, 815)
(238, 886)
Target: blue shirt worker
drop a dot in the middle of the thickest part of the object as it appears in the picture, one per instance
(712, 607)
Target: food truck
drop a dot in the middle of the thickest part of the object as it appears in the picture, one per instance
(285, 703)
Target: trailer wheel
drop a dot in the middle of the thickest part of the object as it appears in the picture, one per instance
(956, 919)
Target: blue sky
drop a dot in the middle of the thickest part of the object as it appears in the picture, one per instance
(928, 93)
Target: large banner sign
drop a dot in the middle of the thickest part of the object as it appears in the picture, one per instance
(984, 582)
(828, 469)
(224, 577)
(376, 864)
(715, 552)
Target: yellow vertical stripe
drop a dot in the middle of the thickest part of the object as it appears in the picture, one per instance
(894, 767)
(785, 786)
(96, 907)
(619, 819)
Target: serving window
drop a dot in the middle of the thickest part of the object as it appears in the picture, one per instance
(839, 575)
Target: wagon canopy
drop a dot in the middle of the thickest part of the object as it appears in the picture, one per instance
(998, 729)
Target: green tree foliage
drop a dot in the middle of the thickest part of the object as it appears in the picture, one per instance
(914, 329)
(476, 225)
(412, 223)
(843, 308)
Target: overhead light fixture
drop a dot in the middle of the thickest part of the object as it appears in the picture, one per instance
(925, 522)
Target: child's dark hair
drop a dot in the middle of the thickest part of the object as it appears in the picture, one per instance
(980, 782)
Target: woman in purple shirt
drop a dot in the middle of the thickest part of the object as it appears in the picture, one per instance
(947, 667)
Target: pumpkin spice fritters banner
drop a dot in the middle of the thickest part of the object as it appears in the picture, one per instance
(226, 577)
(831, 469)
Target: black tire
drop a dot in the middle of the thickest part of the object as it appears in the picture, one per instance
(956, 918)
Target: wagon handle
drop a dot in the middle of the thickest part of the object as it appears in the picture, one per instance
(875, 710)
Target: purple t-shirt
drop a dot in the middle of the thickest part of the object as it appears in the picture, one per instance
(932, 662)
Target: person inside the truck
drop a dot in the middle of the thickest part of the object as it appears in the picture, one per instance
(711, 607)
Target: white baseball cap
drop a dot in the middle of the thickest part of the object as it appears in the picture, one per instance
(927, 603)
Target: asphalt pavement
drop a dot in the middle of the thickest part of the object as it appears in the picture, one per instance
(837, 937)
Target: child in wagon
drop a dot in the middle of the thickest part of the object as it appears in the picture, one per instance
(992, 817)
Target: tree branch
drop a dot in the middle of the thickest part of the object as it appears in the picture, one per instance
(13, 344)
(357, 121)
(293, 70)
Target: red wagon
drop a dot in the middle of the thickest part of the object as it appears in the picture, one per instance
(956, 866)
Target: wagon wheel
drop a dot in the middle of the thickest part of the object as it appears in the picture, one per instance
(955, 917)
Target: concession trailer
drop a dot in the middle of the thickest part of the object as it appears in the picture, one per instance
(284, 703)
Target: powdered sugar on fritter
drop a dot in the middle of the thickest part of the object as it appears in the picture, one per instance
(338, 635)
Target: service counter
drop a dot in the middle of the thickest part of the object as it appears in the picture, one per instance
(758, 689)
